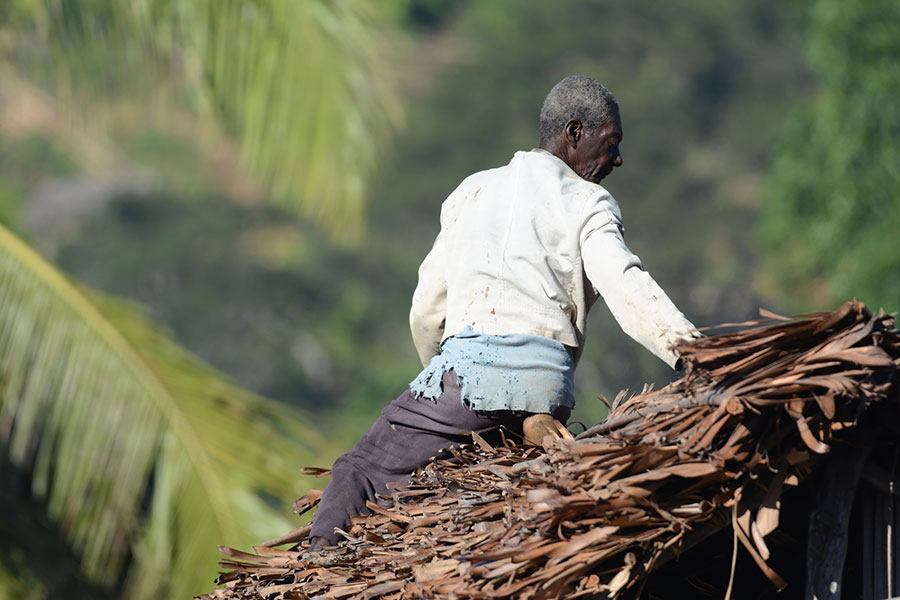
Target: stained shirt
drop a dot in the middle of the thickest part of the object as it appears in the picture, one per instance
(519, 372)
(527, 248)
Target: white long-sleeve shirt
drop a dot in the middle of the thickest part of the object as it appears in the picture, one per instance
(526, 249)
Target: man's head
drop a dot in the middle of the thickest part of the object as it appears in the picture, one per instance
(580, 124)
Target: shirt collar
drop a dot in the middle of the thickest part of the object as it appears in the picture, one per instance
(566, 169)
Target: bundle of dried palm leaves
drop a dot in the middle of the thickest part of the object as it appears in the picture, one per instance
(592, 515)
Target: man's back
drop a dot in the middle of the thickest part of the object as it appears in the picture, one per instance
(509, 253)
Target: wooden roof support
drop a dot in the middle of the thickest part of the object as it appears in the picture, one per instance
(826, 547)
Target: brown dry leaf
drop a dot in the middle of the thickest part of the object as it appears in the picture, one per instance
(770, 508)
(434, 570)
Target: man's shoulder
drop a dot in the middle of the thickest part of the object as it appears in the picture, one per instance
(542, 168)
(540, 163)
(489, 174)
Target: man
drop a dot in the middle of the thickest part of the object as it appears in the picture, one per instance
(498, 316)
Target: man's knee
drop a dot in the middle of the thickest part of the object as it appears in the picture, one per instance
(343, 463)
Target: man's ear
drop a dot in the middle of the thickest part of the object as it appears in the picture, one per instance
(573, 131)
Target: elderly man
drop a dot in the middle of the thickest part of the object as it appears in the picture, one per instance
(498, 316)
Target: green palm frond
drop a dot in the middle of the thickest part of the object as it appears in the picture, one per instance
(136, 447)
(302, 84)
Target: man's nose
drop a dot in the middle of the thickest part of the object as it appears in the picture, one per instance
(618, 161)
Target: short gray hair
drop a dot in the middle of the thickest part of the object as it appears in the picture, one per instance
(577, 97)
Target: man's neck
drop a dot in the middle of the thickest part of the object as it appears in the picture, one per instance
(555, 149)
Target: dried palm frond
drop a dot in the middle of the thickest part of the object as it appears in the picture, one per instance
(592, 515)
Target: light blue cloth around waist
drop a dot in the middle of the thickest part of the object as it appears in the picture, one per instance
(502, 372)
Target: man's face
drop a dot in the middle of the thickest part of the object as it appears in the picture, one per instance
(596, 155)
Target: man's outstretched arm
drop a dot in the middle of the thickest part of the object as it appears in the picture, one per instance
(639, 305)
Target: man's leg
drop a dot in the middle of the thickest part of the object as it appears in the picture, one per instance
(408, 433)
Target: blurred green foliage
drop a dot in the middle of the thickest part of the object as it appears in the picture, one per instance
(319, 339)
(31, 539)
(143, 456)
(302, 87)
(832, 215)
(23, 164)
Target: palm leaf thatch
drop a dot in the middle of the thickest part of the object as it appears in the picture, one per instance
(593, 515)
(303, 86)
(143, 455)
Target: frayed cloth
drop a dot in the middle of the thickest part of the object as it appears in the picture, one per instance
(516, 372)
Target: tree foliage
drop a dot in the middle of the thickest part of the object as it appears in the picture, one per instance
(303, 86)
(833, 208)
(144, 457)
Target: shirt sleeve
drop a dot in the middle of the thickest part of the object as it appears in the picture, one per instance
(428, 314)
(639, 305)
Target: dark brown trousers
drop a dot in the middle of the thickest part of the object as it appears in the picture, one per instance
(409, 432)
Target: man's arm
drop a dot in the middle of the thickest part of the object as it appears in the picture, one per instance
(639, 305)
(429, 304)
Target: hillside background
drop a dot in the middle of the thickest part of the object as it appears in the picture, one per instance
(718, 104)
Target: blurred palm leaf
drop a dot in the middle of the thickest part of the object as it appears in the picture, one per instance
(137, 449)
(302, 85)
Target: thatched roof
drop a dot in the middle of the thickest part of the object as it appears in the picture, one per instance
(593, 515)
